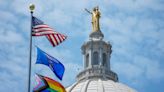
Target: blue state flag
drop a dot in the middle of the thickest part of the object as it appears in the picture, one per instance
(56, 66)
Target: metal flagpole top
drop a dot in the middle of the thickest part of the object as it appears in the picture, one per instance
(32, 7)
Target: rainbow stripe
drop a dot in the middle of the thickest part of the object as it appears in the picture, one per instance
(46, 84)
(54, 85)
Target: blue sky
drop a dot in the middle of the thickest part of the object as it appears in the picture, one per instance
(135, 29)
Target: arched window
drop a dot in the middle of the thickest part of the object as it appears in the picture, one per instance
(104, 63)
(95, 58)
(87, 60)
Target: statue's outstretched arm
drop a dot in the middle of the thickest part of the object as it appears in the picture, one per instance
(88, 11)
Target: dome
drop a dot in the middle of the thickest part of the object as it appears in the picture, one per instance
(99, 85)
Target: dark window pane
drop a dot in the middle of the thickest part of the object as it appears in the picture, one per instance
(87, 60)
(95, 58)
(104, 63)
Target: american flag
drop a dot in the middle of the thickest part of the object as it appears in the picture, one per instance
(41, 29)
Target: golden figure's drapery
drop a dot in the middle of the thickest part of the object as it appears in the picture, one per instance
(95, 18)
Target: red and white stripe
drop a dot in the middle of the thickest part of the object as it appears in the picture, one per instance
(54, 37)
(42, 30)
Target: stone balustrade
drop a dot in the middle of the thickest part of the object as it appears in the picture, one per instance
(97, 72)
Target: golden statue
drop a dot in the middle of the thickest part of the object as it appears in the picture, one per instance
(95, 18)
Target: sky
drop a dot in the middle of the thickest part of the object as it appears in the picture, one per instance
(135, 29)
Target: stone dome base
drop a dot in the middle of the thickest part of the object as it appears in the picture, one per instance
(99, 85)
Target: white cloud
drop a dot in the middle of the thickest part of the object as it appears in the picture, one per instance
(129, 70)
(160, 44)
(136, 5)
(59, 16)
(13, 73)
(139, 68)
(8, 17)
(152, 68)
(7, 36)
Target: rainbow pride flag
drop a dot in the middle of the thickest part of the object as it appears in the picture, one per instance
(45, 84)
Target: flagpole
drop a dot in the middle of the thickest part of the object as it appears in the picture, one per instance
(31, 7)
